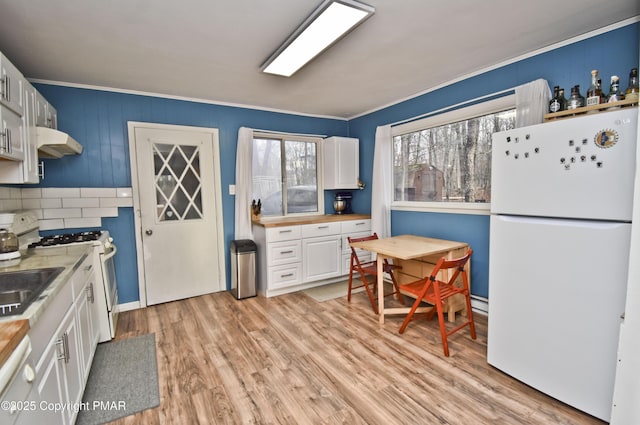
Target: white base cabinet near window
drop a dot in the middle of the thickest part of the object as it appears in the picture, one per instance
(321, 247)
(298, 257)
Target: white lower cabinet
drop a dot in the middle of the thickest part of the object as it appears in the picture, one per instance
(89, 335)
(60, 377)
(321, 258)
(286, 252)
(291, 258)
(51, 388)
(285, 276)
(83, 291)
(64, 352)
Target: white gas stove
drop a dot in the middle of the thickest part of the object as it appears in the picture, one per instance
(26, 227)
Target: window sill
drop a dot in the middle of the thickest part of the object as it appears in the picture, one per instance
(443, 207)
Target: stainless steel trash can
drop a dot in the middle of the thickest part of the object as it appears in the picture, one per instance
(243, 268)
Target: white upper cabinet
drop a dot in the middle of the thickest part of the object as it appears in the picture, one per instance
(46, 115)
(341, 162)
(30, 164)
(11, 82)
(23, 169)
(22, 110)
(12, 135)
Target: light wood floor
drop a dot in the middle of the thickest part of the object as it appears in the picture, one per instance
(292, 360)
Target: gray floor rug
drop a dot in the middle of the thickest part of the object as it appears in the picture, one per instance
(123, 380)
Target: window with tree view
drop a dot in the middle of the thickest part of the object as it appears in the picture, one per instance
(448, 163)
(285, 175)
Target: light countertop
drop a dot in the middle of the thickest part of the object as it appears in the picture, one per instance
(13, 328)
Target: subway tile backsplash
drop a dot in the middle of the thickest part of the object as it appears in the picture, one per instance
(98, 192)
(67, 208)
(61, 192)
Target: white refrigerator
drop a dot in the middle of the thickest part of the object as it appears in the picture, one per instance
(561, 208)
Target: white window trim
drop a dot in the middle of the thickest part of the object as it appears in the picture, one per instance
(483, 108)
(481, 208)
(319, 171)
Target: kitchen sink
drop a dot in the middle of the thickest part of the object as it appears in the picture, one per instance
(19, 289)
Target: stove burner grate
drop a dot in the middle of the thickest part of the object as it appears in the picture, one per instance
(67, 238)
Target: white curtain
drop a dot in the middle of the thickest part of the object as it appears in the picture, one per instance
(244, 184)
(382, 183)
(532, 101)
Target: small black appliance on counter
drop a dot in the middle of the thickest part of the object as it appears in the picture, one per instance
(342, 203)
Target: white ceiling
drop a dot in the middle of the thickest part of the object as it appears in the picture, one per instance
(213, 49)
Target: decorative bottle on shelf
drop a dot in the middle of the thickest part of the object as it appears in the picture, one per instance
(576, 100)
(632, 91)
(554, 104)
(594, 94)
(563, 100)
(615, 94)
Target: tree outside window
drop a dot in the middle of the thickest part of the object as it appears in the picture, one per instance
(448, 163)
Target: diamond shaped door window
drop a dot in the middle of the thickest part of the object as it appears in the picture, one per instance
(178, 182)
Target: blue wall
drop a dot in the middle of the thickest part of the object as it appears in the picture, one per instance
(612, 53)
(99, 121)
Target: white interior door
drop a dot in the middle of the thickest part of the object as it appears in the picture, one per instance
(180, 213)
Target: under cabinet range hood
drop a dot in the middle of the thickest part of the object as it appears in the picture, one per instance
(55, 144)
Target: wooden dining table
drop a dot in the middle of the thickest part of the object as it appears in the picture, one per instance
(415, 254)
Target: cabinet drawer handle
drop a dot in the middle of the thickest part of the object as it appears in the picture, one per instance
(286, 275)
(287, 252)
(286, 231)
(60, 343)
(67, 352)
(360, 224)
(5, 86)
(90, 295)
(6, 140)
(323, 227)
(64, 342)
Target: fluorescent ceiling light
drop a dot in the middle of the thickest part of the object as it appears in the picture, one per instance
(332, 20)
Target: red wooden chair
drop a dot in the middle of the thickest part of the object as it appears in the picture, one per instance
(435, 292)
(368, 273)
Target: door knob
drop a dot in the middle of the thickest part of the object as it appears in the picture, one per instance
(149, 232)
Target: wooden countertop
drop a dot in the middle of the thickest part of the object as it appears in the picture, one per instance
(11, 333)
(310, 219)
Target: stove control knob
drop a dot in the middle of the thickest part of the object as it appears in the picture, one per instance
(108, 244)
